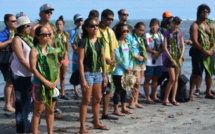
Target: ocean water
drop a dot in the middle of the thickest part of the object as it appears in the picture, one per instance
(186, 69)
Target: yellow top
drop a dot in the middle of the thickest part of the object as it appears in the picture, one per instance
(107, 48)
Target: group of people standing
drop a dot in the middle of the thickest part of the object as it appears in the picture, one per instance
(102, 57)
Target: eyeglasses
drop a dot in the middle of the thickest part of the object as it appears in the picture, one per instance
(204, 11)
(46, 34)
(125, 31)
(109, 19)
(27, 25)
(47, 12)
(13, 21)
(92, 26)
(124, 14)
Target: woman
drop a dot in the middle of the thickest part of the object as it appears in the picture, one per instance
(44, 65)
(174, 49)
(154, 63)
(124, 59)
(138, 46)
(21, 75)
(90, 56)
(61, 41)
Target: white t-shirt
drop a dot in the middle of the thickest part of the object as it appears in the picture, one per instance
(151, 45)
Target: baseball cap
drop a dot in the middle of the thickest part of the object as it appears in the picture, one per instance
(167, 14)
(45, 7)
(77, 17)
(19, 14)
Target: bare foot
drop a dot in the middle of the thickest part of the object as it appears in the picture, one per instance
(139, 106)
(85, 131)
(9, 108)
(127, 111)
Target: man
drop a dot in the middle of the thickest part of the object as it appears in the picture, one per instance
(123, 17)
(45, 16)
(6, 37)
(202, 35)
(75, 37)
(109, 38)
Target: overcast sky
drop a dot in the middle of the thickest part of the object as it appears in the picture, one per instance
(138, 9)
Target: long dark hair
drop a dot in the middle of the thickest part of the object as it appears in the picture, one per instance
(118, 31)
(86, 24)
(37, 33)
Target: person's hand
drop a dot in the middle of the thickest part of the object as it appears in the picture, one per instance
(128, 70)
(140, 58)
(105, 81)
(10, 40)
(188, 42)
(206, 53)
(84, 85)
(183, 58)
(180, 62)
(50, 85)
(109, 61)
(155, 54)
(174, 63)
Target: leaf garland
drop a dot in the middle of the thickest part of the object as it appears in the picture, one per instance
(175, 45)
(142, 47)
(60, 42)
(47, 63)
(28, 39)
(206, 42)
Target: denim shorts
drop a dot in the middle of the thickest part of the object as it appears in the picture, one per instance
(93, 78)
(153, 71)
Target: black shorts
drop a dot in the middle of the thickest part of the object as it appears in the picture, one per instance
(168, 63)
(197, 62)
(6, 71)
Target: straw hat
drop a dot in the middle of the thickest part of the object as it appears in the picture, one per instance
(23, 20)
(128, 81)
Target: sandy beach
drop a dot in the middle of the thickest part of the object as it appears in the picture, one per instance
(188, 118)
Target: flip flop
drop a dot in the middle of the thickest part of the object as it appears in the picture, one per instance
(118, 114)
(127, 112)
(197, 92)
(157, 101)
(167, 104)
(150, 102)
(102, 128)
(80, 132)
(139, 106)
(176, 103)
(210, 97)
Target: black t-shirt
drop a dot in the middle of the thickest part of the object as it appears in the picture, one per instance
(88, 59)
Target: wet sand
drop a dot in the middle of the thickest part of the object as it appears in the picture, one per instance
(192, 117)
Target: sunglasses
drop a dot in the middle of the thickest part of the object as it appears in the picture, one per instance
(124, 14)
(13, 21)
(204, 12)
(46, 34)
(109, 19)
(47, 12)
(92, 26)
(125, 31)
(27, 26)
(79, 20)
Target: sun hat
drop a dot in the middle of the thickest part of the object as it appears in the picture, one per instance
(23, 20)
(128, 81)
(167, 14)
(77, 16)
(55, 93)
(19, 14)
(45, 7)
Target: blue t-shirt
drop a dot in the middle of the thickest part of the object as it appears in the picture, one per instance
(4, 35)
(122, 66)
(73, 36)
(135, 47)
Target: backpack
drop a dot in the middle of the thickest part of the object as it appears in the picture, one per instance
(182, 94)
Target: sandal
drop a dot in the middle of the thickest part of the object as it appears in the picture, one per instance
(191, 98)
(175, 103)
(210, 97)
(102, 128)
(167, 104)
(150, 102)
(197, 92)
(127, 112)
